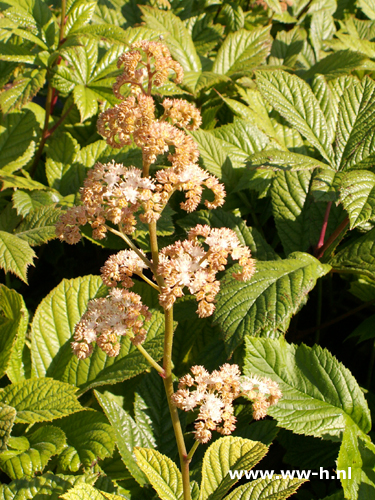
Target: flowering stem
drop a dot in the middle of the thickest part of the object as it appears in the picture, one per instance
(154, 244)
(192, 451)
(132, 246)
(150, 359)
(168, 385)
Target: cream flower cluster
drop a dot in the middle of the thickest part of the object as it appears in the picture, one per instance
(107, 319)
(114, 193)
(214, 394)
(189, 264)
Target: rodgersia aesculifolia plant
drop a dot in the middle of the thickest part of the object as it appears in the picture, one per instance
(113, 196)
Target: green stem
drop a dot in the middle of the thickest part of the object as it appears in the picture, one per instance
(62, 21)
(150, 359)
(168, 385)
(193, 450)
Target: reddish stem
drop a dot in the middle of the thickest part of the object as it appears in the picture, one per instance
(324, 227)
(333, 237)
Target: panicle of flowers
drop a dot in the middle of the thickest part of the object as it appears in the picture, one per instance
(111, 192)
(264, 392)
(107, 319)
(188, 263)
(120, 267)
(214, 394)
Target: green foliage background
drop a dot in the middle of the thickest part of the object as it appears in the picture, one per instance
(287, 96)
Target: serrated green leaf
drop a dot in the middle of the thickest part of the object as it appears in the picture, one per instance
(264, 305)
(368, 7)
(266, 489)
(25, 202)
(233, 16)
(275, 159)
(357, 257)
(162, 473)
(151, 411)
(29, 454)
(274, 5)
(177, 37)
(22, 90)
(7, 418)
(286, 47)
(357, 194)
(128, 434)
(16, 53)
(211, 151)
(205, 33)
(194, 81)
(115, 34)
(320, 395)
(225, 454)
(17, 140)
(15, 255)
(322, 27)
(53, 327)
(355, 127)
(16, 181)
(88, 492)
(13, 323)
(39, 226)
(295, 101)
(289, 191)
(89, 438)
(78, 16)
(365, 331)
(48, 485)
(326, 184)
(242, 51)
(61, 154)
(86, 101)
(337, 64)
(241, 139)
(40, 400)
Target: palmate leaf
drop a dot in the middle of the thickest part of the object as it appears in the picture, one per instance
(53, 327)
(295, 101)
(18, 133)
(15, 255)
(225, 454)
(29, 454)
(320, 395)
(264, 305)
(266, 489)
(357, 194)
(162, 473)
(89, 438)
(355, 127)
(242, 51)
(79, 15)
(40, 400)
(357, 257)
(177, 37)
(48, 485)
(128, 434)
(14, 321)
